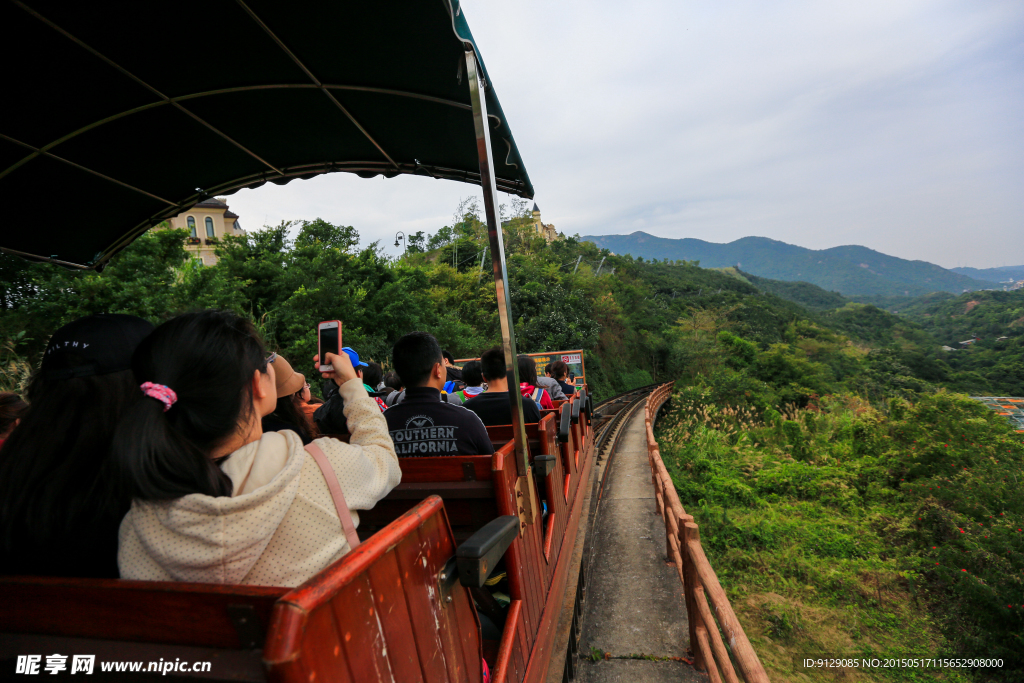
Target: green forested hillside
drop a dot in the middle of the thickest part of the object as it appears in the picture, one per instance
(849, 270)
(918, 332)
(811, 297)
(850, 499)
(629, 317)
(993, 363)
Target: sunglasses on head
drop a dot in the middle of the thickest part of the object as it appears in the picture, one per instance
(271, 358)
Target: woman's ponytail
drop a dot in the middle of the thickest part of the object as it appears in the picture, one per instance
(163, 447)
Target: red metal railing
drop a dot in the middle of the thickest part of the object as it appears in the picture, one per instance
(682, 538)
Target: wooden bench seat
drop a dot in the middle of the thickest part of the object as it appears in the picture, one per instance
(379, 613)
(138, 620)
(464, 482)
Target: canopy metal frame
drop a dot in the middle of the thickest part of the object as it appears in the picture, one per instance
(85, 46)
(272, 171)
(524, 489)
(316, 81)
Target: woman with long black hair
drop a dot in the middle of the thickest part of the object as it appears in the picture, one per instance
(217, 499)
(60, 499)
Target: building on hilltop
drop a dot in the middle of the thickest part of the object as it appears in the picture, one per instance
(207, 222)
(545, 230)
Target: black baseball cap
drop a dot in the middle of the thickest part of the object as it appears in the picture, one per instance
(94, 345)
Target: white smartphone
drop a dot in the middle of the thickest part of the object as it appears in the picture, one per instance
(328, 341)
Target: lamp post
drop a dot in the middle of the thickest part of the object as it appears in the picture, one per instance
(404, 241)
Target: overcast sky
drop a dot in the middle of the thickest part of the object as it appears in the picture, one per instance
(895, 125)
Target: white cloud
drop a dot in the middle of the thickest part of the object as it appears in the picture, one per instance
(899, 126)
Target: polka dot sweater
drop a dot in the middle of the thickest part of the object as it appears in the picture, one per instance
(280, 526)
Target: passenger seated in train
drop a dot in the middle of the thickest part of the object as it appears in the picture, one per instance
(492, 405)
(453, 375)
(373, 377)
(473, 379)
(62, 502)
(393, 385)
(528, 383)
(560, 370)
(292, 396)
(216, 499)
(551, 385)
(12, 409)
(455, 398)
(330, 416)
(423, 424)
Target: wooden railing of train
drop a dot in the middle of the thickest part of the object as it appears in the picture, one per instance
(683, 548)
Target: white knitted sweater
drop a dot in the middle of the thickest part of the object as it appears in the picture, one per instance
(280, 526)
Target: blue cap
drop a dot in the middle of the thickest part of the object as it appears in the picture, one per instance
(354, 357)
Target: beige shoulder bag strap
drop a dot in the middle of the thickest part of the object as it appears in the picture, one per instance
(335, 488)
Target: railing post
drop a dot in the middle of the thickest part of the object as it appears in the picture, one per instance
(681, 521)
(691, 535)
(671, 531)
(705, 655)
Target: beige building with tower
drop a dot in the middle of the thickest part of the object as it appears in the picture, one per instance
(207, 222)
(545, 230)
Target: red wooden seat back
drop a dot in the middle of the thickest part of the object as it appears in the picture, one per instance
(464, 482)
(445, 468)
(135, 611)
(380, 613)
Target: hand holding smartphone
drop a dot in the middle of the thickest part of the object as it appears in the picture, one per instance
(328, 341)
(342, 364)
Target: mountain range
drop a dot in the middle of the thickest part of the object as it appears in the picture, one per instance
(850, 270)
(1000, 274)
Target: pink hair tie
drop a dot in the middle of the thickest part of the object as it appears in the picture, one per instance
(162, 393)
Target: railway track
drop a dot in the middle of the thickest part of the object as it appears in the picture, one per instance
(610, 417)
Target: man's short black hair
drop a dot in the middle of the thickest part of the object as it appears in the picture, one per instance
(492, 364)
(559, 369)
(448, 356)
(471, 374)
(414, 356)
(373, 373)
(547, 369)
(391, 379)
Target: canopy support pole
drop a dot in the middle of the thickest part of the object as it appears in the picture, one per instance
(524, 488)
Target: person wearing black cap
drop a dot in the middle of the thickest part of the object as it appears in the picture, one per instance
(61, 501)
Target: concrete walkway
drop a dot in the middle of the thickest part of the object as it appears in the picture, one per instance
(634, 601)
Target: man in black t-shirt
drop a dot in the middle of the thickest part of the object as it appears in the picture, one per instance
(423, 425)
(559, 370)
(492, 406)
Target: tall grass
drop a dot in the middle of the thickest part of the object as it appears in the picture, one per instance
(842, 528)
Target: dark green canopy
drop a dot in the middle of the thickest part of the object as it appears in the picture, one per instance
(118, 115)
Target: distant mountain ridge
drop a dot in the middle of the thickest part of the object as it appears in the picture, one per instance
(849, 270)
(1000, 274)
